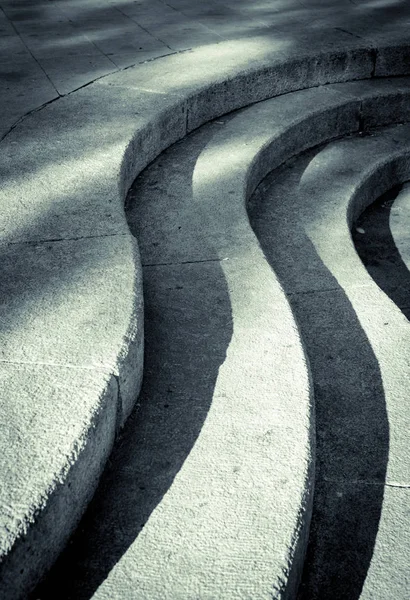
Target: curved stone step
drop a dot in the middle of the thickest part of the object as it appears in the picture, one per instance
(69, 264)
(204, 229)
(356, 340)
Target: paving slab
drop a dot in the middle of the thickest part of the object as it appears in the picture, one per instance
(25, 87)
(78, 70)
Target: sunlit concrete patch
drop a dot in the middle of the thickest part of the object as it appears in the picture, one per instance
(388, 556)
(50, 468)
(232, 520)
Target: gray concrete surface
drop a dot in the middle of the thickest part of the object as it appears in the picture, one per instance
(233, 483)
(356, 339)
(188, 212)
(66, 163)
(52, 49)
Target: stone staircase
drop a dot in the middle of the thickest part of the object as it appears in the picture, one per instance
(272, 418)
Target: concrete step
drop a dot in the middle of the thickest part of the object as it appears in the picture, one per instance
(209, 492)
(71, 311)
(357, 341)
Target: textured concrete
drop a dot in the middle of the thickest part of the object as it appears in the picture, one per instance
(240, 486)
(69, 263)
(50, 468)
(188, 213)
(357, 342)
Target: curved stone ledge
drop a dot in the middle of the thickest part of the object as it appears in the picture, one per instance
(72, 295)
(357, 339)
(215, 227)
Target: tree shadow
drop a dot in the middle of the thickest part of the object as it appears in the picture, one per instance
(188, 327)
(75, 45)
(351, 420)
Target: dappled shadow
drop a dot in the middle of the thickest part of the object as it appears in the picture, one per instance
(52, 49)
(378, 251)
(188, 326)
(351, 421)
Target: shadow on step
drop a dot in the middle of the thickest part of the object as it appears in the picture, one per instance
(188, 327)
(379, 252)
(351, 421)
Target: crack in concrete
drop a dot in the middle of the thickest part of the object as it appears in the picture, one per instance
(62, 239)
(39, 108)
(33, 363)
(118, 70)
(29, 51)
(374, 53)
(355, 35)
(319, 291)
(26, 115)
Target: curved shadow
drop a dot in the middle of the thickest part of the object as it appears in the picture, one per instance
(378, 251)
(188, 327)
(45, 277)
(351, 419)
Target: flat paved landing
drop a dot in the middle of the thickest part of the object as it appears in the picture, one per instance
(50, 49)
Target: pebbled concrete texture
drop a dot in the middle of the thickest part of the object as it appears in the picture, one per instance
(350, 501)
(49, 478)
(250, 410)
(52, 293)
(97, 140)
